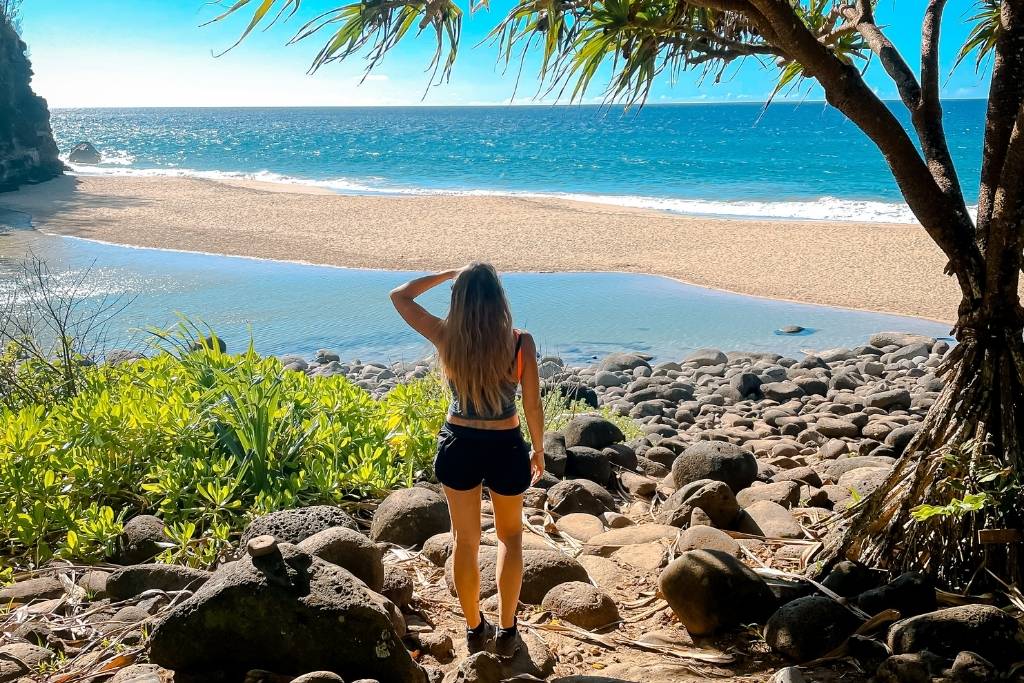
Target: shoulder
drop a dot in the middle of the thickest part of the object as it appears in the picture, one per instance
(526, 342)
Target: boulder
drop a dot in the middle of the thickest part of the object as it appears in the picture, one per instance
(408, 517)
(298, 524)
(349, 549)
(133, 580)
(918, 667)
(834, 427)
(849, 579)
(614, 539)
(809, 627)
(554, 454)
(84, 153)
(882, 339)
(579, 495)
(581, 604)
(983, 629)
(542, 571)
(286, 611)
(703, 357)
(438, 547)
(32, 590)
(579, 525)
(781, 391)
(592, 431)
(398, 586)
(718, 460)
(892, 399)
(710, 590)
(910, 594)
(703, 537)
(713, 497)
(864, 480)
(142, 539)
(765, 518)
(588, 463)
(784, 493)
(617, 362)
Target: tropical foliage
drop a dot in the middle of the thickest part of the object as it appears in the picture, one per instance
(204, 440)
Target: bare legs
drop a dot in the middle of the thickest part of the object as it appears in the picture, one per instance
(464, 509)
(508, 525)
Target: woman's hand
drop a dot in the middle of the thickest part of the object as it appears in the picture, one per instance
(536, 465)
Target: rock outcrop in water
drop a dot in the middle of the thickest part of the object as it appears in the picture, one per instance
(28, 153)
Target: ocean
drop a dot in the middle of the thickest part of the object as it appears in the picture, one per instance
(802, 161)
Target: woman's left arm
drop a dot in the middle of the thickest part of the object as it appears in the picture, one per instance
(532, 405)
(419, 318)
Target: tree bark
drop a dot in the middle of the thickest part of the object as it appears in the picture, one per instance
(1006, 94)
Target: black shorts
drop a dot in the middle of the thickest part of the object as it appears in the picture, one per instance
(496, 458)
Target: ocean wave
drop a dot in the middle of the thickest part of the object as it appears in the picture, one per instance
(822, 208)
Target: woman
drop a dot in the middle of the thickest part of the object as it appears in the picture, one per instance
(481, 444)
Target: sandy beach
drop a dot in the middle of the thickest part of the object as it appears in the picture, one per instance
(872, 266)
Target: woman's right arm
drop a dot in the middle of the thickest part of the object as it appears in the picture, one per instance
(419, 318)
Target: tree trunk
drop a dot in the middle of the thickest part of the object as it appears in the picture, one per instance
(975, 426)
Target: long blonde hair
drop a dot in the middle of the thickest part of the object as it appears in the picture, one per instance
(477, 346)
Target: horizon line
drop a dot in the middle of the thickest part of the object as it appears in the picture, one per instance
(476, 106)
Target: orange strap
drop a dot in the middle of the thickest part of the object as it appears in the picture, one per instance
(519, 354)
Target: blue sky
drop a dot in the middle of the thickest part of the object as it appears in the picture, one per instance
(154, 53)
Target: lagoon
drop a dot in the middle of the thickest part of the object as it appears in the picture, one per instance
(299, 308)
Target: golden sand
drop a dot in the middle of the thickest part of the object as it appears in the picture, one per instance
(873, 266)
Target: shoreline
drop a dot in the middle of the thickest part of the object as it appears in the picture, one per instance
(799, 261)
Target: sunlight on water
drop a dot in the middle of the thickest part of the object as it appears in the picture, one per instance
(292, 308)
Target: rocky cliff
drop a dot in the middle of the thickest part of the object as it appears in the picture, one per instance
(28, 153)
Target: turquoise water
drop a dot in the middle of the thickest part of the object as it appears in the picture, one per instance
(293, 308)
(797, 160)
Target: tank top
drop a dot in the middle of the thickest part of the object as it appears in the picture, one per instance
(465, 409)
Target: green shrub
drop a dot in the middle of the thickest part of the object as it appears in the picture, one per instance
(205, 440)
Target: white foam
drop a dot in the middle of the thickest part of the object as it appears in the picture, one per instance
(822, 208)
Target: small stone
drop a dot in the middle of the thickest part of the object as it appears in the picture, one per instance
(261, 546)
(581, 604)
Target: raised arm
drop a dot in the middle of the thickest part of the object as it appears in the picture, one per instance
(419, 318)
(532, 405)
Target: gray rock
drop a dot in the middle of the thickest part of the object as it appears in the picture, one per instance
(592, 431)
(542, 571)
(717, 460)
(713, 497)
(983, 629)
(398, 586)
(765, 518)
(809, 627)
(703, 357)
(408, 517)
(581, 604)
(555, 455)
(588, 463)
(133, 580)
(287, 611)
(579, 495)
(298, 524)
(349, 549)
(32, 590)
(703, 537)
(781, 391)
(710, 590)
(617, 362)
(784, 493)
(883, 339)
(892, 399)
(143, 539)
(910, 594)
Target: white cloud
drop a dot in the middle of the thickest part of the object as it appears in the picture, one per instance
(377, 77)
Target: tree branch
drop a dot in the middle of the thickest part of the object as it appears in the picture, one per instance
(892, 61)
(1006, 95)
(921, 99)
(846, 90)
(1006, 230)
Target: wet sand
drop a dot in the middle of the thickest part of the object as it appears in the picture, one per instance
(889, 268)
